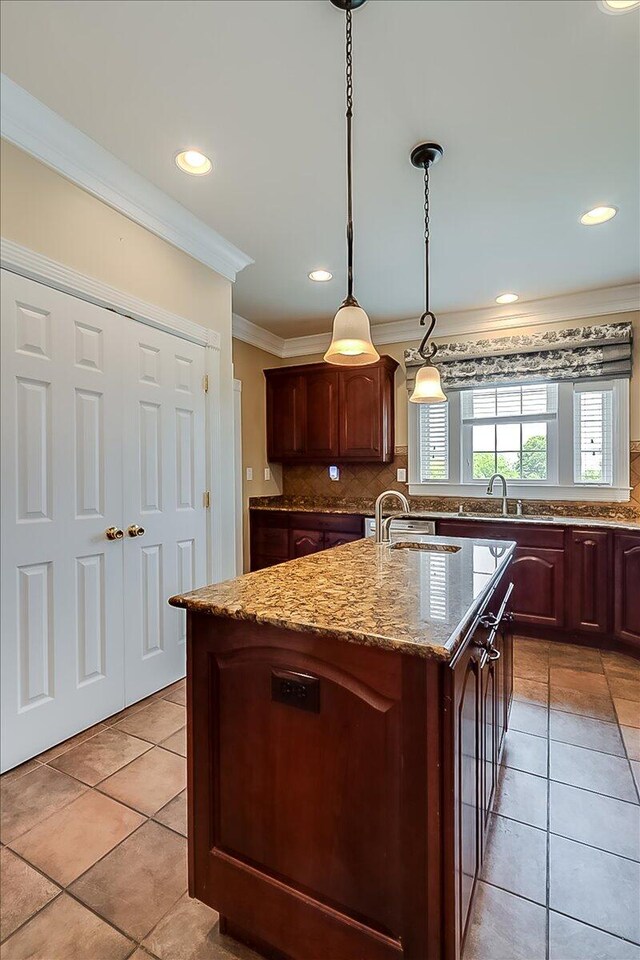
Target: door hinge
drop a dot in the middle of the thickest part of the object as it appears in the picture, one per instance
(206, 499)
(205, 383)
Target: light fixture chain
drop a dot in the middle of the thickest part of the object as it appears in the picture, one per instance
(349, 86)
(426, 235)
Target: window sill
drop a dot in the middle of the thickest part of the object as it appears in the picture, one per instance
(519, 491)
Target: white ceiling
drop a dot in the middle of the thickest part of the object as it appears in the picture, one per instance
(536, 102)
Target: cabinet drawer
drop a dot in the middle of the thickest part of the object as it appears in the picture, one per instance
(525, 535)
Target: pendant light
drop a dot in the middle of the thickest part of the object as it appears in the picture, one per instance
(351, 341)
(427, 388)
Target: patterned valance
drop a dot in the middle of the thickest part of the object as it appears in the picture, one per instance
(579, 353)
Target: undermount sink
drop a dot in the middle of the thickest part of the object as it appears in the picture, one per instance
(430, 547)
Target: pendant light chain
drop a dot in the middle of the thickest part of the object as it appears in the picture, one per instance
(427, 310)
(349, 96)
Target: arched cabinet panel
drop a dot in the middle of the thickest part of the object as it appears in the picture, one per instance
(538, 577)
(627, 588)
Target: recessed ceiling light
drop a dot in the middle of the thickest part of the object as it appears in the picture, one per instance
(320, 276)
(507, 298)
(598, 215)
(193, 162)
(618, 6)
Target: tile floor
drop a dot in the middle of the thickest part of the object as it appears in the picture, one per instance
(561, 878)
(93, 831)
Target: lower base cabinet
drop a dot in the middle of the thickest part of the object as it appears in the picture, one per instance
(276, 536)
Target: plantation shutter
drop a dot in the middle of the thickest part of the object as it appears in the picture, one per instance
(433, 425)
(593, 434)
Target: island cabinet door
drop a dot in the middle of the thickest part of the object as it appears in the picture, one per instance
(589, 576)
(627, 588)
(466, 775)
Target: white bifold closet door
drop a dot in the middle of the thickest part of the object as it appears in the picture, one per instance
(102, 426)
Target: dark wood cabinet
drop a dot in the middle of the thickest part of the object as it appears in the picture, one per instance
(590, 581)
(538, 593)
(319, 414)
(276, 536)
(286, 413)
(626, 603)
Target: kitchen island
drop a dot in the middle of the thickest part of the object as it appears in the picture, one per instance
(346, 714)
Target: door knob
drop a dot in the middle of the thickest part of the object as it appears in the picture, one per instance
(135, 531)
(114, 533)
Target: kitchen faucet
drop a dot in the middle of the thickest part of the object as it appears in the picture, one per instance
(499, 476)
(382, 527)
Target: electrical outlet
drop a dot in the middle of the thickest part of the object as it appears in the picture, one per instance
(249, 473)
(267, 473)
(401, 475)
(334, 473)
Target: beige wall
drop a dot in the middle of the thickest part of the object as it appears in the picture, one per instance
(248, 364)
(396, 350)
(43, 211)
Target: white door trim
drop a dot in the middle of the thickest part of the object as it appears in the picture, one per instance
(36, 266)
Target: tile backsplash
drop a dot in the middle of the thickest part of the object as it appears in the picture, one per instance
(367, 480)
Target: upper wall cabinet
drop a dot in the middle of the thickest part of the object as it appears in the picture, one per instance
(317, 413)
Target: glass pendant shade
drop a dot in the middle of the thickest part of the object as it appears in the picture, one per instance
(427, 387)
(351, 342)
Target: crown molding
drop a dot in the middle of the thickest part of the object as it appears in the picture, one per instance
(35, 266)
(573, 306)
(34, 128)
(251, 333)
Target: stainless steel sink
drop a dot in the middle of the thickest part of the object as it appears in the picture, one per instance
(430, 547)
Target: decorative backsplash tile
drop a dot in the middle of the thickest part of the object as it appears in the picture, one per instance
(364, 481)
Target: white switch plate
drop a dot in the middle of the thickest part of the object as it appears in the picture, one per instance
(401, 475)
(267, 473)
(249, 473)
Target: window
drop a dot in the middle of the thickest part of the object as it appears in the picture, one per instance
(564, 441)
(593, 435)
(509, 430)
(434, 441)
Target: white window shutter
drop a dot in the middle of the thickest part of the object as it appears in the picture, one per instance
(433, 427)
(593, 435)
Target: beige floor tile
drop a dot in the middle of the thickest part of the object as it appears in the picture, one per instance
(582, 702)
(173, 688)
(602, 822)
(72, 840)
(522, 751)
(65, 930)
(149, 782)
(505, 927)
(573, 657)
(594, 683)
(101, 756)
(617, 664)
(174, 815)
(521, 796)
(628, 712)
(590, 770)
(23, 891)
(595, 887)
(129, 711)
(190, 932)
(531, 665)
(66, 745)
(529, 718)
(156, 722)
(516, 859)
(135, 884)
(32, 798)
(586, 732)
(531, 691)
(178, 694)
(635, 770)
(631, 737)
(177, 742)
(18, 772)
(571, 940)
(623, 688)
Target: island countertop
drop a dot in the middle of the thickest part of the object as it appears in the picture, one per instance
(419, 600)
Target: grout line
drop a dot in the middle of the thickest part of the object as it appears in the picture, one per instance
(624, 745)
(548, 843)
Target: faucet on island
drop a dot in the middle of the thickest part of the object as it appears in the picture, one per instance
(383, 534)
(499, 476)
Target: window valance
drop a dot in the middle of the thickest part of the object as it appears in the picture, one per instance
(579, 353)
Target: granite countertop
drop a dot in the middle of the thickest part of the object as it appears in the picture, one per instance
(418, 601)
(365, 507)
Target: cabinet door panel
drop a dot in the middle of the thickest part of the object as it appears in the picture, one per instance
(590, 568)
(285, 415)
(322, 414)
(360, 414)
(467, 696)
(304, 542)
(489, 736)
(337, 539)
(627, 588)
(538, 578)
